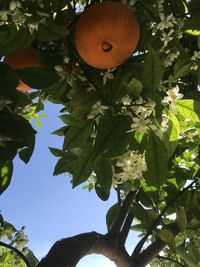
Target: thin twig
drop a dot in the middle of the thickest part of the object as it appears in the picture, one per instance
(155, 223)
(169, 259)
(19, 253)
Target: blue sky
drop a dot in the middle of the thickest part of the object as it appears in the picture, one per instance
(47, 205)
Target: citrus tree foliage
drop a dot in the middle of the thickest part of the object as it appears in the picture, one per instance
(134, 128)
(13, 250)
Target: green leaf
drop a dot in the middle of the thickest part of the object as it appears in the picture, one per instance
(38, 77)
(193, 22)
(57, 152)
(186, 257)
(6, 171)
(12, 38)
(49, 31)
(181, 218)
(104, 175)
(82, 102)
(112, 215)
(8, 82)
(182, 66)
(126, 85)
(20, 132)
(189, 109)
(78, 133)
(178, 7)
(139, 212)
(68, 119)
(62, 131)
(165, 235)
(170, 137)
(64, 163)
(57, 93)
(110, 131)
(82, 167)
(157, 161)
(101, 193)
(152, 72)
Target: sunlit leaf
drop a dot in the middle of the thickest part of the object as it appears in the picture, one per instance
(6, 171)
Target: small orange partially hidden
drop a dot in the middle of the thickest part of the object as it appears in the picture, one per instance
(23, 58)
(106, 34)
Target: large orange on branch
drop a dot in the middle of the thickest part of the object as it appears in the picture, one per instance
(106, 34)
(23, 58)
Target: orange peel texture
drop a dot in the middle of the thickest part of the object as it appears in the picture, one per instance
(106, 34)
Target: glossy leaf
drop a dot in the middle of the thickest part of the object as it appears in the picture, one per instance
(152, 73)
(78, 133)
(110, 131)
(171, 136)
(189, 109)
(157, 161)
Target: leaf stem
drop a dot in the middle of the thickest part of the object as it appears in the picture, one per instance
(169, 259)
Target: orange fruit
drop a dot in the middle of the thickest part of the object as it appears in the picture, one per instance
(23, 58)
(106, 34)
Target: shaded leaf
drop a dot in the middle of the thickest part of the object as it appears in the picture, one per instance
(112, 215)
(101, 193)
(157, 161)
(110, 131)
(78, 133)
(104, 175)
(152, 72)
(38, 77)
(181, 218)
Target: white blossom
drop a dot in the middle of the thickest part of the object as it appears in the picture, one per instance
(172, 97)
(166, 23)
(97, 109)
(167, 37)
(140, 123)
(170, 58)
(32, 27)
(161, 129)
(132, 165)
(126, 100)
(107, 75)
(195, 60)
(4, 15)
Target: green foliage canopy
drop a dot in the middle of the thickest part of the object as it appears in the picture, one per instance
(132, 128)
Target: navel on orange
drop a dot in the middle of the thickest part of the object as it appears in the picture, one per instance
(23, 58)
(106, 34)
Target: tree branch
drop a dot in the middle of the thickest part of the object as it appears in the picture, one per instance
(126, 228)
(154, 249)
(156, 222)
(67, 252)
(18, 252)
(169, 259)
(115, 229)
